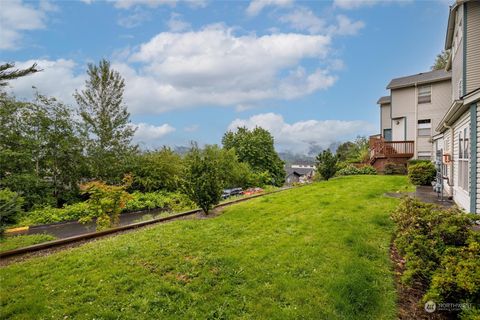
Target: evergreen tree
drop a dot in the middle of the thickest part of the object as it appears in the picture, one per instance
(441, 60)
(106, 122)
(7, 72)
(327, 164)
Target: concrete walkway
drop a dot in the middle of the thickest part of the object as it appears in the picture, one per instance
(424, 194)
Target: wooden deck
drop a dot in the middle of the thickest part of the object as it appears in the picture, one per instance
(383, 152)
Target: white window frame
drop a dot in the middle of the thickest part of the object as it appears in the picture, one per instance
(421, 127)
(464, 159)
(423, 95)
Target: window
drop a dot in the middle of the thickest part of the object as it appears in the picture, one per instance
(424, 127)
(463, 157)
(425, 94)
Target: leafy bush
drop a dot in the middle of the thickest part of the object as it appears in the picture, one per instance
(417, 161)
(392, 168)
(422, 174)
(171, 201)
(458, 277)
(350, 170)
(10, 208)
(441, 251)
(46, 215)
(423, 232)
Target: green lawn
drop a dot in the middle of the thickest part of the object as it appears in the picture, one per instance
(20, 241)
(316, 252)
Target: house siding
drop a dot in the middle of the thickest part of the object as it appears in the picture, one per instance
(478, 159)
(459, 195)
(385, 121)
(457, 63)
(472, 45)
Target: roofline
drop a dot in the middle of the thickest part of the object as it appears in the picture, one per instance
(454, 112)
(382, 103)
(413, 84)
(451, 23)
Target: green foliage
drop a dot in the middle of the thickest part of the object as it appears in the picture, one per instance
(350, 170)
(423, 233)
(156, 170)
(107, 131)
(171, 201)
(41, 154)
(392, 168)
(7, 72)
(326, 164)
(422, 174)
(20, 241)
(417, 161)
(441, 60)
(458, 276)
(105, 202)
(256, 148)
(10, 208)
(48, 215)
(354, 152)
(202, 177)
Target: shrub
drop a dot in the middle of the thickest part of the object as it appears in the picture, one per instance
(106, 202)
(46, 215)
(350, 170)
(326, 164)
(417, 161)
(458, 277)
(392, 168)
(10, 208)
(422, 174)
(423, 232)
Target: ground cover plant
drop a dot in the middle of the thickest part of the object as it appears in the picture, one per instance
(316, 252)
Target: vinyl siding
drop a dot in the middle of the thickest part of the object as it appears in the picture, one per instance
(457, 63)
(458, 193)
(478, 158)
(473, 46)
(403, 105)
(447, 147)
(385, 121)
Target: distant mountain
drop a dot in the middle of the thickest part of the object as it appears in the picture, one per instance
(295, 158)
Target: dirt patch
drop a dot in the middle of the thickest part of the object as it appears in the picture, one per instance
(409, 297)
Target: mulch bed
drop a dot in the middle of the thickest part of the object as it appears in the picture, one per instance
(409, 297)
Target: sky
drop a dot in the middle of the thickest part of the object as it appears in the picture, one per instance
(309, 72)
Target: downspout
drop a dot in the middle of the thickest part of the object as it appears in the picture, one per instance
(452, 139)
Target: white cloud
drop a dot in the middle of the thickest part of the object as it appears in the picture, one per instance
(304, 19)
(148, 132)
(126, 4)
(17, 17)
(135, 19)
(300, 137)
(256, 6)
(176, 24)
(354, 4)
(215, 67)
(57, 79)
(347, 27)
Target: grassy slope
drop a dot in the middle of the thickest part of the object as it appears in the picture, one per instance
(20, 241)
(317, 252)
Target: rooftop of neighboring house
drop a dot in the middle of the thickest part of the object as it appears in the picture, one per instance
(384, 100)
(299, 171)
(421, 78)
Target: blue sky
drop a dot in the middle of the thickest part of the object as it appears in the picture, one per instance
(310, 72)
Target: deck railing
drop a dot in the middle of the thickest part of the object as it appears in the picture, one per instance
(391, 149)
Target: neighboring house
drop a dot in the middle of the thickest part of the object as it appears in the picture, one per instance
(458, 131)
(299, 174)
(408, 117)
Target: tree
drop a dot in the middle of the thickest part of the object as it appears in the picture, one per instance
(256, 147)
(155, 170)
(10, 208)
(8, 73)
(106, 122)
(345, 151)
(202, 178)
(327, 164)
(441, 60)
(40, 150)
